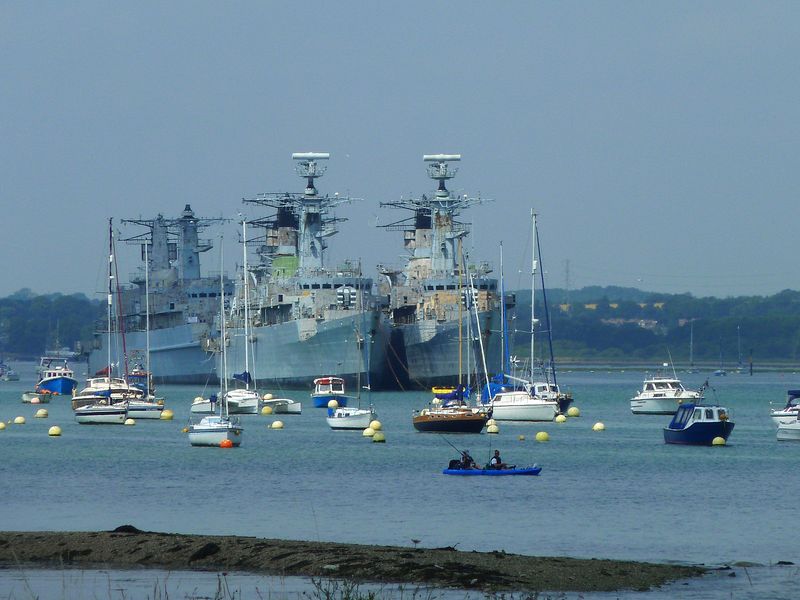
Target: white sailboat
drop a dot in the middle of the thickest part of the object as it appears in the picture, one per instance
(536, 401)
(98, 407)
(216, 430)
(354, 417)
(244, 401)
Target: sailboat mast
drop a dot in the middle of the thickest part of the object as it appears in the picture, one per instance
(110, 297)
(480, 335)
(147, 317)
(502, 315)
(533, 289)
(460, 317)
(223, 387)
(691, 344)
(246, 307)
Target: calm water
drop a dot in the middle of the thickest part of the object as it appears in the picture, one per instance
(621, 493)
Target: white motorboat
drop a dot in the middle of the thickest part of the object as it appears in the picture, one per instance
(204, 406)
(662, 395)
(790, 412)
(523, 405)
(114, 387)
(350, 418)
(214, 430)
(102, 413)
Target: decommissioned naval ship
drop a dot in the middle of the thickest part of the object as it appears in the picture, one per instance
(182, 303)
(305, 319)
(429, 297)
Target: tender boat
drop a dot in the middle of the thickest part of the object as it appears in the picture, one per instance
(662, 396)
(698, 425)
(242, 401)
(282, 406)
(10, 375)
(790, 412)
(327, 389)
(534, 470)
(789, 430)
(101, 412)
(34, 398)
(55, 377)
(214, 430)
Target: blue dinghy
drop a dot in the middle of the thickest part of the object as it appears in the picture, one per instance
(534, 470)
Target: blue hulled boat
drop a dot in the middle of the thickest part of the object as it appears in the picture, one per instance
(327, 389)
(534, 470)
(55, 377)
(698, 425)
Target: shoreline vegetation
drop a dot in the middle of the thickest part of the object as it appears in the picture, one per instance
(128, 547)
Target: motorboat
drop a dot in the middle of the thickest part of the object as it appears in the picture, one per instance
(698, 425)
(55, 377)
(789, 430)
(213, 430)
(101, 412)
(35, 398)
(327, 389)
(350, 418)
(661, 395)
(282, 406)
(114, 387)
(536, 402)
(790, 412)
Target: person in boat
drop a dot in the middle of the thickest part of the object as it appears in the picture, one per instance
(496, 462)
(467, 462)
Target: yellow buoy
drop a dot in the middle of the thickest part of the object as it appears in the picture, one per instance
(2, 425)
(368, 432)
(718, 441)
(36, 400)
(521, 438)
(333, 404)
(160, 402)
(561, 419)
(267, 410)
(491, 422)
(379, 437)
(130, 421)
(19, 421)
(41, 414)
(267, 397)
(573, 411)
(54, 431)
(542, 436)
(167, 414)
(492, 429)
(598, 427)
(375, 425)
(185, 430)
(277, 425)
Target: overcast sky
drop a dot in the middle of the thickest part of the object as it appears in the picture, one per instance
(657, 141)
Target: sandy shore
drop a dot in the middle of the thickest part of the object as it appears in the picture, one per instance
(127, 547)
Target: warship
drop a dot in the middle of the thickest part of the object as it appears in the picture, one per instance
(183, 303)
(444, 311)
(294, 318)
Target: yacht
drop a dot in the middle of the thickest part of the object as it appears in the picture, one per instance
(662, 396)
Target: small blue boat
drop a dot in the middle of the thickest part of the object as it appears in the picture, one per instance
(327, 389)
(698, 425)
(55, 377)
(534, 470)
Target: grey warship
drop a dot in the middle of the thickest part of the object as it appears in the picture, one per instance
(432, 300)
(183, 303)
(306, 319)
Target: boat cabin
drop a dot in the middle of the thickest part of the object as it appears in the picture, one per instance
(548, 391)
(662, 385)
(689, 414)
(329, 385)
(793, 402)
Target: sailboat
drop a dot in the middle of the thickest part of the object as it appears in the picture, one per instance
(218, 429)
(244, 401)
(532, 400)
(691, 368)
(96, 407)
(721, 372)
(449, 412)
(345, 417)
(147, 407)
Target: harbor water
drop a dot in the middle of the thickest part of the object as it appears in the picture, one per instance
(620, 493)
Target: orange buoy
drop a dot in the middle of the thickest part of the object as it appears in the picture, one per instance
(226, 444)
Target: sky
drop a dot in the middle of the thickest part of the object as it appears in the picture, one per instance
(658, 142)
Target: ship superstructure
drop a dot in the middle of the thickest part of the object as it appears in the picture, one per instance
(307, 319)
(429, 296)
(183, 303)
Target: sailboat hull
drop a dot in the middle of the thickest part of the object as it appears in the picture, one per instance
(445, 421)
(350, 418)
(99, 414)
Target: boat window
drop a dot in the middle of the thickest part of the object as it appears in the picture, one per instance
(451, 287)
(439, 287)
(709, 414)
(326, 286)
(698, 414)
(314, 286)
(649, 387)
(203, 295)
(493, 286)
(483, 286)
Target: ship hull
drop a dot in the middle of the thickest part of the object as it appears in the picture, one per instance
(176, 354)
(293, 354)
(426, 352)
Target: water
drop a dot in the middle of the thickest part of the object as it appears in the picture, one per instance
(621, 493)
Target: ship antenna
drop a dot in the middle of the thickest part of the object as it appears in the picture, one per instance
(307, 167)
(440, 170)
